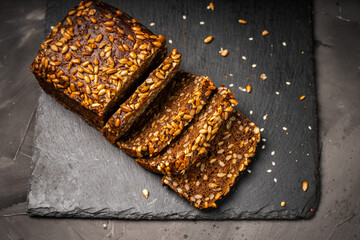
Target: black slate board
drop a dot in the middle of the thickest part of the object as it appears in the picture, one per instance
(76, 173)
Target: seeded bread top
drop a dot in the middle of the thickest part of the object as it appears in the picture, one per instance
(168, 115)
(211, 178)
(194, 141)
(134, 106)
(92, 53)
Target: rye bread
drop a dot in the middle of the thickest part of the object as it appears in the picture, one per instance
(94, 58)
(168, 115)
(194, 141)
(210, 179)
(144, 95)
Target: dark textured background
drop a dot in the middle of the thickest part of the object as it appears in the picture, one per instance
(337, 33)
(78, 174)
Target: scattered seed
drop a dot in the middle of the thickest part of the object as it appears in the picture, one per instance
(261, 129)
(302, 97)
(211, 6)
(254, 65)
(243, 57)
(224, 52)
(277, 93)
(248, 88)
(283, 204)
(242, 21)
(202, 23)
(184, 17)
(265, 116)
(152, 24)
(288, 83)
(310, 128)
(263, 76)
(145, 192)
(275, 179)
(273, 163)
(284, 44)
(251, 112)
(251, 38)
(265, 32)
(285, 128)
(273, 153)
(305, 186)
(249, 171)
(269, 171)
(170, 41)
(231, 85)
(104, 226)
(208, 39)
(242, 89)
(263, 147)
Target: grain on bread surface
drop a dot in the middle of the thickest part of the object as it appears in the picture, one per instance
(93, 57)
(210, 179)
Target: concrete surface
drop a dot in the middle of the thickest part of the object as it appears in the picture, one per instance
(337, 34)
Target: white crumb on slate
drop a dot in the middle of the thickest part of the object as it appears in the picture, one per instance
(231, 85)
(284, 44)
(273, 153)
(310, 128)
(265, 116)
(243, 57)
(273, 163)
(277, 93)
(250, 38)
(263, 147)
(251, 112)
(202, 23)
(184, 17)
(285, 128)
(170, 41)
(254, 65)
(275, 179)
(264, 139)
(288, 83)
(249, 171)
(261, 129)
(152, 24)
(269, 171)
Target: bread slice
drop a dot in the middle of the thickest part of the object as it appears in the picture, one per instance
(95, 58)
(194, 141)
(168, 115)
(211, 178)
(135, 106)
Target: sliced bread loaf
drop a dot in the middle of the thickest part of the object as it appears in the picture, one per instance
(194, 141)
(211, 178)
(167, 115)
(138, 102)
(95, 58)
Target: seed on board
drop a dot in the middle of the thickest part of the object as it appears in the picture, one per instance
(263, 76)
(302, 97)
(242, 21)
(283, 204)
(305, 186)
(212, 6)
(145, 192)
(208, 39)
(224, 52)
(265, 32)
(248, 88)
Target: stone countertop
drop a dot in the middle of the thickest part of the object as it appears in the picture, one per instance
(337, 56)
